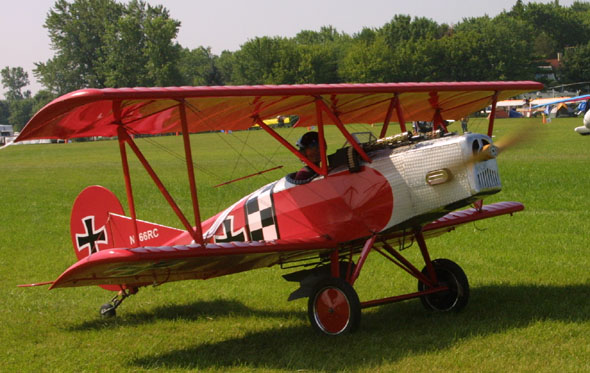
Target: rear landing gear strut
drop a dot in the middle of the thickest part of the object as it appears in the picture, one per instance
(108, 310)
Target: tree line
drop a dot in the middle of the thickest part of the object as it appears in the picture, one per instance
(104, 43)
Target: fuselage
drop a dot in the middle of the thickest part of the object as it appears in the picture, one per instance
(405, 186)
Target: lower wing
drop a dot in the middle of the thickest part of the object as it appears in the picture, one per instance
(155, 265)
(143, 266)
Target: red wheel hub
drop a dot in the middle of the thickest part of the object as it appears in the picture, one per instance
(332, 310)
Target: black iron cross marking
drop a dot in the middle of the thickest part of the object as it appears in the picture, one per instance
(228, 232)
(91, 238)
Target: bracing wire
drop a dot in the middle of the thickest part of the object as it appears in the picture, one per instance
(245, 144)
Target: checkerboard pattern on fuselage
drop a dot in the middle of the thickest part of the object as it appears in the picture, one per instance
(260, 215)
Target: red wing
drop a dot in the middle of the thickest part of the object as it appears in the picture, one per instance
(453, 219)
(99, 112)
(154, 265)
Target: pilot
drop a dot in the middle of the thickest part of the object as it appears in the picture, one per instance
(308, 145)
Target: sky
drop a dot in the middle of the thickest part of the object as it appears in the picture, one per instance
(226, 25)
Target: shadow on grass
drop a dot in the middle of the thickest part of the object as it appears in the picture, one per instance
(387, 334)
(191, 312)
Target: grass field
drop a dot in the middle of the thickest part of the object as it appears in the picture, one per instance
(529, 274)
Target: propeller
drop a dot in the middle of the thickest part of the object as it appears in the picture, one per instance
(524, 134)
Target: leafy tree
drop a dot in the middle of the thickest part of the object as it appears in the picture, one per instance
(77, 32)
(309, 58)
(102, 43)
(368, 59)
(575, 64)
(319, 54)
(199, 67)
(17, 109)
(138, 48)
(161, 52)
(325, 36)
(255, 62)
(20, 112)
(319, 64)
(417, 61)
(490, 49)
(225, 65)
(553, 26)
(42, 98)
(4, 112)
(402, 28)
(123, 62)
(366, 35)
(14, 80)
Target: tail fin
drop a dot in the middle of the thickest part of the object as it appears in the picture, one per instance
(89, 226)
(98, 223)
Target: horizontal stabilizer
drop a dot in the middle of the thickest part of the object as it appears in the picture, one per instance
(149, 234)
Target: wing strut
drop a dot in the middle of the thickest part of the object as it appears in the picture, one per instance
(121, 135)
(290, 147)
(492, 114)
(127, 176)
(198, 233)
(400, 113)
(366, 250)
(393, 103)
(343, 130)
(322, 144)
(437, 119)
(125, 138)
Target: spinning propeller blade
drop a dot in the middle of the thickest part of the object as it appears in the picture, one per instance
(524, 134)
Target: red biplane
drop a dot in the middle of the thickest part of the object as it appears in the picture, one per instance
(369, 196)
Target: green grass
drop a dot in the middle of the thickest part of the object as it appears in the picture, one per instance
(530, 285)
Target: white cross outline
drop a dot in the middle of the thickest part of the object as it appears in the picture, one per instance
(233, 234)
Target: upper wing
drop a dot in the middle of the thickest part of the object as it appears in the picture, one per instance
(154, 265)
(560, 100)
(99, 112)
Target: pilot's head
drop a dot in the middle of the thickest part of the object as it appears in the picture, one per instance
(308, 140)
(308, 145)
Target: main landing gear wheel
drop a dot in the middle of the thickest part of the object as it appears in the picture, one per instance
(449, 274)
(334, 307)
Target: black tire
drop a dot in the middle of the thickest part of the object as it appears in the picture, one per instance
(334, 307)
(448, 274)
(108, 310)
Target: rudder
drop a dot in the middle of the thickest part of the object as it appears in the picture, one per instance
(89, 226)
(98, 223)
